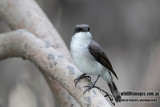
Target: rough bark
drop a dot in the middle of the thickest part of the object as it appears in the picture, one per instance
(26, 14)
(23, 44)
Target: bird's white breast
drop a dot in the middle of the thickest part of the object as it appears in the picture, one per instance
(81, 56)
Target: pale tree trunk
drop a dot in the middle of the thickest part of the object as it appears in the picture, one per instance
(46, 49)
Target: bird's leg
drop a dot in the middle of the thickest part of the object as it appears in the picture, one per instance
(81, 77)
(92, 86)
(109, 96)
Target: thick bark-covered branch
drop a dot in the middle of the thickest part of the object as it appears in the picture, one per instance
(26, 14)
(21, 43)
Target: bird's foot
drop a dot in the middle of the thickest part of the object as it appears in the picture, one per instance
(81, 77)
(89, 87)
(117, 97)
(109, 96)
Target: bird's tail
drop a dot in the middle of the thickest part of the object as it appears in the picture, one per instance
(114, 91)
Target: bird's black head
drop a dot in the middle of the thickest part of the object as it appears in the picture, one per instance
(82, 28)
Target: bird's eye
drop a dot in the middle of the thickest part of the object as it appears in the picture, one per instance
(78, 29)
(85, 29)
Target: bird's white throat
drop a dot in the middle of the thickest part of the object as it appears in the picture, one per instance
(83, 36)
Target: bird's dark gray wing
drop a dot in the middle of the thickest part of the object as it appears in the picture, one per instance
(97, 52)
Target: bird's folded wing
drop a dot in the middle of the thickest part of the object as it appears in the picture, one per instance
(97, 52)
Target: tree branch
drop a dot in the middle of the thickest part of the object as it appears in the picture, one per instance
(21, 43)
(26, 14)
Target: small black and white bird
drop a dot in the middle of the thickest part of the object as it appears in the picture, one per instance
(90, 58)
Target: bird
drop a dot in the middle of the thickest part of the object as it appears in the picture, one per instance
(90, 59)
